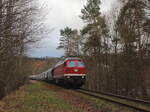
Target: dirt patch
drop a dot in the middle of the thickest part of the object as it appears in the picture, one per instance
(78, 101)
(1, 107)
(6, 103)
(74, 99)
(32, 81)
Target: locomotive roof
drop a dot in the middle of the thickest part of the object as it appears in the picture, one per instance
(69, 58)
(72, 58)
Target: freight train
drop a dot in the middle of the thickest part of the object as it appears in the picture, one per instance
(70, 72)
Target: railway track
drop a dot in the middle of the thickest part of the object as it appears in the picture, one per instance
(141, 105)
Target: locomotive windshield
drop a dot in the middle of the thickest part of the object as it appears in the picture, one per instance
(80, 64)
(75, 64)
(71, 64)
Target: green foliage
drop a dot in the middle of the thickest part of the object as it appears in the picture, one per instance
(95, 32)
(91, 10)
(69, 41)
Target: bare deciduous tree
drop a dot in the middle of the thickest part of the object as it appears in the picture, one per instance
(18, 27)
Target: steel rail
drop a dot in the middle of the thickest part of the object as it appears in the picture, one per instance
(137, 104)
(119, 96)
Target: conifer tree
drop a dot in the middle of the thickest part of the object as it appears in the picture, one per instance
(95, 39)
(69, 41)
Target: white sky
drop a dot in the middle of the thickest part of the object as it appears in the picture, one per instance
(61, 13)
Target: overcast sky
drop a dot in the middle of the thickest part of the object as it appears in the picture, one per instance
(61, 13)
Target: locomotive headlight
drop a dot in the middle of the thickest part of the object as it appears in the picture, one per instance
(76, 70)
(68, 77)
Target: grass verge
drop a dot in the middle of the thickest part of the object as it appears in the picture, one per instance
(35, 97)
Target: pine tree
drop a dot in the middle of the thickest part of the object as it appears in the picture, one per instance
(96, 30)
(95, 39)
(69, 41)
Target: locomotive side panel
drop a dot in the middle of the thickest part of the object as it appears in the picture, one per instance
(58, 72)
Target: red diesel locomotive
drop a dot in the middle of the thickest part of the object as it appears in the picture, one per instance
(71, 71)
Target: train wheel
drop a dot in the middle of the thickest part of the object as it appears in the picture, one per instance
(56, 81)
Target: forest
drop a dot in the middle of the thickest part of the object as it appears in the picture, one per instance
(114, 46)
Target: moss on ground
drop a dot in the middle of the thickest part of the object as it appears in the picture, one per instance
(36, 98)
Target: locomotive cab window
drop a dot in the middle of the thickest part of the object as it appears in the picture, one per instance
(71, 64)
(80, 64)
